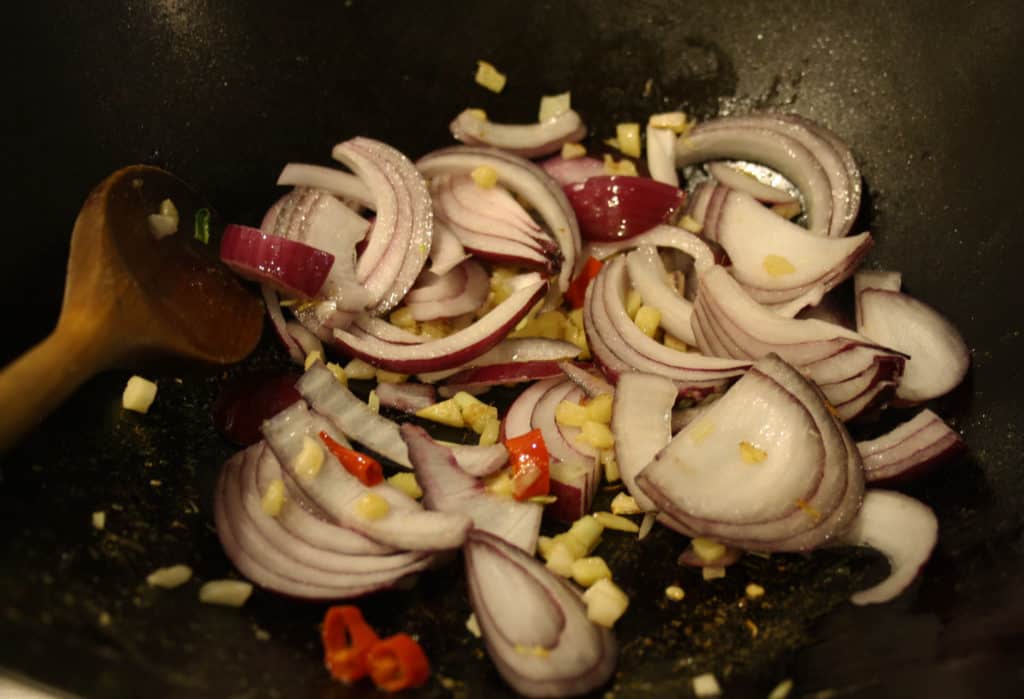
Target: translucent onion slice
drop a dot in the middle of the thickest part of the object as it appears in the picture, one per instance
(642, 425)
(524, 140)
(471, 287)
(740, 181)
(339, 183)
(909, 449)
(661, 155)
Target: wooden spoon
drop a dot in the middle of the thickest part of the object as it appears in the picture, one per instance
(129, 298)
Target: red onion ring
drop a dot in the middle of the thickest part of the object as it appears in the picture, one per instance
(479, 379)
(572, 170)
(511, 350)
(445, 249)
(912, 447)
(287, 265)
(661, 155)
(591, 384)
(524, 140)
(741, 182)
(642, 425)
(464, 293)
(340, 184)
(407, 397)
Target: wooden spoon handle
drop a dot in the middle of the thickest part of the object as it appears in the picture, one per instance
(38, 381)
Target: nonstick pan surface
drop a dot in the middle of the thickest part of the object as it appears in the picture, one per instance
(225, 93)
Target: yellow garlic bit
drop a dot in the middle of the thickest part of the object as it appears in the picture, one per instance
(488, 76)
(751, 454)
(372, 506)
(777, 266)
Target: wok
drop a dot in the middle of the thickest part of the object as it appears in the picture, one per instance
(224, 93)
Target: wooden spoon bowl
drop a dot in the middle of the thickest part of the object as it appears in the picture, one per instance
(130, 298)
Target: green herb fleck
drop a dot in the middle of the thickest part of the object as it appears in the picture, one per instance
(202, 233)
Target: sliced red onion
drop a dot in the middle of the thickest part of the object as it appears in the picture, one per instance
(447, 488)
(273, 304)
(479, 379)
(690, 557)
(350, 415)
(592, 384)
(642, 425)
(319, 220)
(939, 357)
(524, 140)
(245, 401)
(511, 350)
(471, 287)
(525, 179)
(661, 155)
(572, 170)
(619, 345)
(446, 252)
(777, 260)
(522, 607)
(307, 341)
(480, 461)
(728, 323)
(764, 145)
(371, 326)
(648, 275)
(914, 446)
(666, 237)
(574, 484)
(336, 492)
(286, 265)
(697, 202)
(518, 418)
(743, 182)
(564, 443)
(612, 207)
(399, 241)
(455, 349)
(904, 530)
(407, 397)
(767, 467)
(339, 183)
(886, 280)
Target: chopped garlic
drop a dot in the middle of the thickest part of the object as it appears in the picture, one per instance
(339, 373)
(500, 483)
(485, 176)
(138, 395)
(673, 342)
(687, 222)
(708, 550)
(782, 690)
(712, 572)
(587, 571)
(229, 593)
(162, 226)
(446, 412)
(312, 358)
(777, 266)
(570, 414)
(788, 210)
(359, 370)
(754, 591)
(597, 435)
(648, 318)
(488, 76)
(706, 685)
(751, 454)
(99, 520)
(169, 577)
(674, 121)
(544, 546)
(571, 151)
(599, 408)
(309, 460)
(552, 106)
(167, 208)
(616, 522)
(633, 302)
(473, 626)
(478, 114)
(674, 593)
(646, 525)
(407, 483)
(384, 376)
(606, 602)
(625, 504)
(619, 167)
(475, 413)
(489, 434)
(543, 499)
(560, 559)
(628, 136)
(373, 401)
(402, 317)
(578, 337)
(372, 506)
(611, 465)
(434, 328)
(583, 536)
(273, 498)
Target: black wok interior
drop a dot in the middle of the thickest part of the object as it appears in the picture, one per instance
(224, 93)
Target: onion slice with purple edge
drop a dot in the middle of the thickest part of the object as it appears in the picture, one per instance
(307, 341)
(525, 179)
(901, 528)
(510, 350)
(909, 449)
(399, 241)
(939, 357)
(568, 171)
(740, 181)
(289, 266)
(341, 184)
(445, 249)
(479, 379)
(317, 219)
(767, 467)
(407, 397)
(518, 418)
(480, 460)
(447, 488)
(574, 485)
(648, 275)
(534, 624)
(336, 491)
(661, 155)
(642, 425)
(468, 293)
(664, 236)
(612, 207)
(776, 260)
(854, 373)
(592, 384)
(525, 140)
(455, 349)
(273, 304)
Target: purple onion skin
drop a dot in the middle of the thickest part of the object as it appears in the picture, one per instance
(615, 207)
